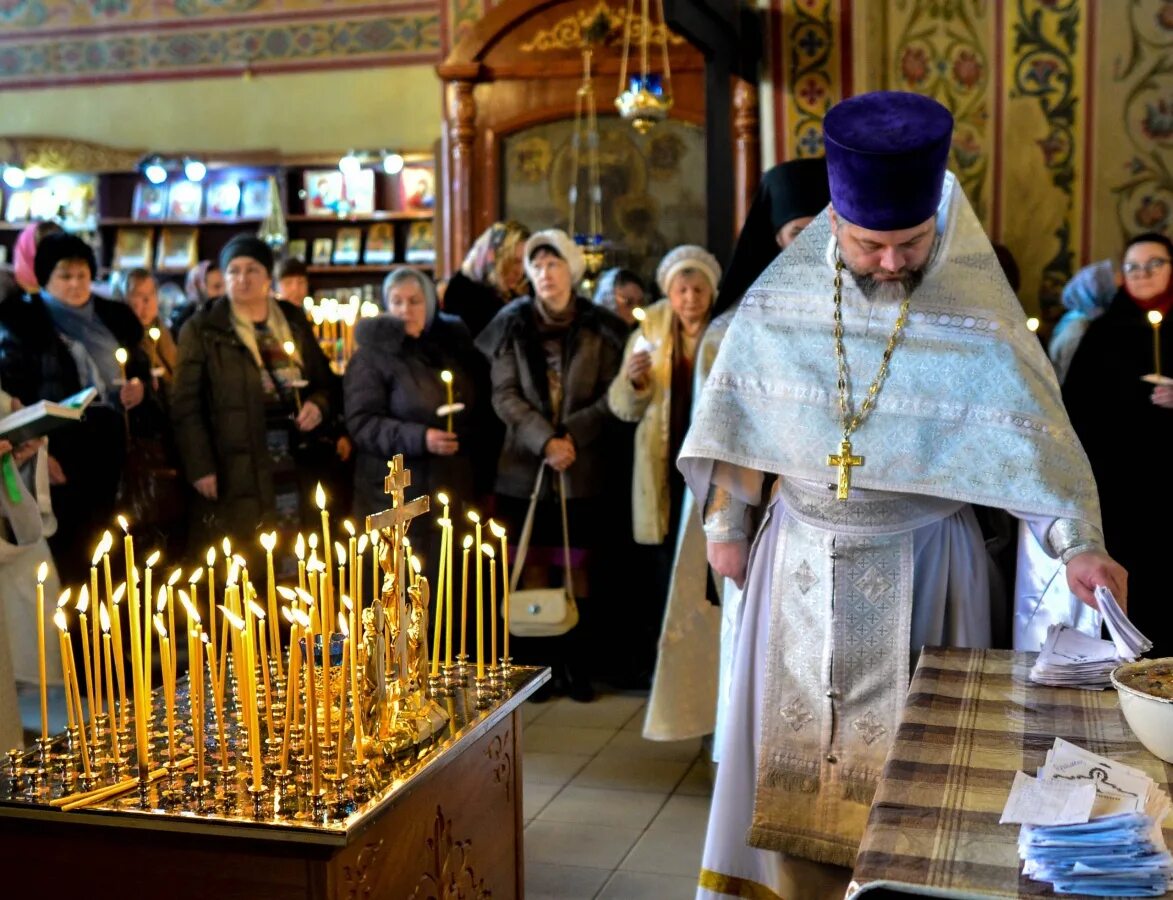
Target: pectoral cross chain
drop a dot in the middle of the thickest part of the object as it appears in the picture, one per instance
(845, 461)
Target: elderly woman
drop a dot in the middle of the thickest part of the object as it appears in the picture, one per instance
(251, 390)
(620, 291)
(204, 283)
(492, 274)
(553, 357)
(141, 292)
(53, 344)
(1117, 412)
(393, 391)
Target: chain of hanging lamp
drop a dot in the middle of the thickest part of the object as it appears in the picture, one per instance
(645, 100)
(584, 106)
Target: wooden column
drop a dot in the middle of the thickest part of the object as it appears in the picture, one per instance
(747, 151)
(462, 114)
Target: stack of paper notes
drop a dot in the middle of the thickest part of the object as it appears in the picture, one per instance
(1070, 658)
(1091, 825)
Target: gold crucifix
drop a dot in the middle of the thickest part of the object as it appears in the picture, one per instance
(845, 461)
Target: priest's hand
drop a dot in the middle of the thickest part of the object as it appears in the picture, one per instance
(131, 394)
(1163, 396)
(206, 487)
(639, 367)
(1087, 570)
(729, 559)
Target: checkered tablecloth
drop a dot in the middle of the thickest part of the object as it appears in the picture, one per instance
(973, 718)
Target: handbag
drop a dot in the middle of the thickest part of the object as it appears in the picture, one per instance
(542, 612)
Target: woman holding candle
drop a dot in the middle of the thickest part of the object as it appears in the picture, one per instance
(620, 291)
(553, 358)
(53, 344)
(1121, 418)
(243, 441)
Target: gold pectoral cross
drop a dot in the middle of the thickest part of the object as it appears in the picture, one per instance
(845, 461)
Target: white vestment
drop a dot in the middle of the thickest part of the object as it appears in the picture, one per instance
(842, 594)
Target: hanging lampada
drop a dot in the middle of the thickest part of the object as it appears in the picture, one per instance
(586, 131)
(644, 98)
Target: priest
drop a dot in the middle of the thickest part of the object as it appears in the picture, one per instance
(881, 375)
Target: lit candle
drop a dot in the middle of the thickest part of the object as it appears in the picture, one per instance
(299, 552)
(154, 334)
(148, 613)
(259, 615)
(1155, 318)
(104, 617)
(340, 555)
(467, 543)
(446, 377)
(326, 626)
(42, 574)
(320, 499)
(376, 584)
(290, 351)
(172, 580)
(59, 621)
(311, 710)
(352, 558)
(358, 585)
(195, 671)
(346, 657)
(141, 700)
(499, 533)
(476, 520)
(83, 606)
(640, 316)
(436, 648)
(269, 541)
(96, 697)
(121, 356)
(293, 673)
(168, 687)
(116, 610)
(487, 549)
(355, 693)
(72, 689)
(198, 718)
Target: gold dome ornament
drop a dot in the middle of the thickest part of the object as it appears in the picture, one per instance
(646, 98)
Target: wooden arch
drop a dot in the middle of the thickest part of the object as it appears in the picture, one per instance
(520, 66)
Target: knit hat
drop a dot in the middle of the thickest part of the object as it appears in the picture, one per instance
(247, 245)
(559, 243)
(53, 248)
(687, 256)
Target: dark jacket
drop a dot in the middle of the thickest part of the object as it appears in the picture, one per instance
(473, 302)
(521, 395)
(392, 390)
(218, 412)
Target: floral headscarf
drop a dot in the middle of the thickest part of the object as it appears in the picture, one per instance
(496, 246)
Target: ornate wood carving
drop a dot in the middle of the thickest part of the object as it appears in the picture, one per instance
(568, 33)
(450, 875)
(462, 114)
(498, 752)
(747, 152)
(48, 156)
(358, 877)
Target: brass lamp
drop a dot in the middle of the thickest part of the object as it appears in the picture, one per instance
(645, 98)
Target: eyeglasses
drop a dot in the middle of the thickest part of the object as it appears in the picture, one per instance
(1131, 270)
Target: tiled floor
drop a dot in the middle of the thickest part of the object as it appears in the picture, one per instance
(608, 814)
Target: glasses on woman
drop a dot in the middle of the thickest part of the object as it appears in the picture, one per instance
(1132, 270)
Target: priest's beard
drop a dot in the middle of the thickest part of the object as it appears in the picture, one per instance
(896, 289)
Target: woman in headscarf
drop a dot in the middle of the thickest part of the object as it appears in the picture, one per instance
(1118, 414)
(1085, 297)
(620, 291)
(53, 344)
(25, 252)
(252, 389)
(697, 638)
(553, 357)
(492, 274)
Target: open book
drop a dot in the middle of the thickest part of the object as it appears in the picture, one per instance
(38, 419)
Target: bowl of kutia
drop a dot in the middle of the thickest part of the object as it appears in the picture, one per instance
(1145, 689)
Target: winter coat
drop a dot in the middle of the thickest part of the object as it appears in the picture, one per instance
(392, 390)
(521, 395)
(218, 413)
(472, 301)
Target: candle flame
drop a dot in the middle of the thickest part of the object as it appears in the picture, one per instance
(302, 619)
(639, 315)
(288, 614)
(313, 541)
(161, 602)
(299, 547)
(64, 598)
(193, 614)
(204, 638)
(342, 626)
(407, 544)
(269, 541)
(153, 559)
(444, 523)
(467, 541)
(195, 576)
(497, 530)
(320, 497)
(415, 565)
(226, 546)
(233, 574)
(375, 539)
(487, 550)
(121, 355)
(233, 619)
(175, 576)
(258, 611)
(1032, 324)
(286, 593)
(446, 377)
(83, 600)
(99, 552)
(42, 572)
(349, 526)
(59, 621)
(160, 627)
(124, 525)
(474, 517)
(305, 597)
(340, 552)
(154, 332)
(443, 498)
(104, 618)
(119, 593)
(289, 347)
(362, 544)
(1155, 317)
(210, 558)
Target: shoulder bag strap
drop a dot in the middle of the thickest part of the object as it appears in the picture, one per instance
(526, 531)
(565, 536)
